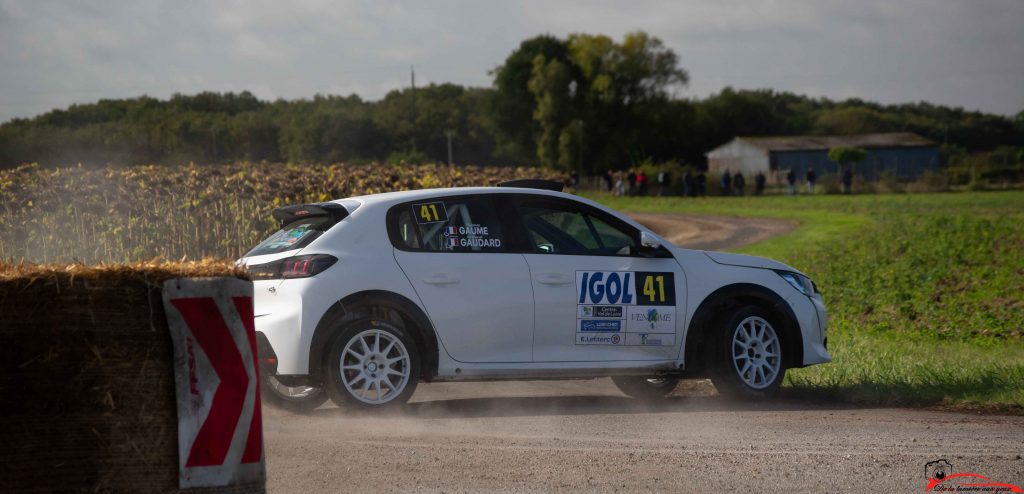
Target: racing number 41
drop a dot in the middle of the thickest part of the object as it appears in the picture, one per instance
(655, 288)
(649, 290)
(429, 212)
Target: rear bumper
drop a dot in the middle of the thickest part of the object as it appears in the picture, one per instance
(279, 318)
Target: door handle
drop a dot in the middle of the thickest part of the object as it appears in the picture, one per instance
(554, 279)
(440, 280)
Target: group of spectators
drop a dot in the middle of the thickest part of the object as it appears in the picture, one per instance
(635, 183)
(810, 178)
(733, 185)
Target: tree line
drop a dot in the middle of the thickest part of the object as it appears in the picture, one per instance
(584, 102)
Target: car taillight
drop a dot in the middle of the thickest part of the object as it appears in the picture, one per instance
(292, 267)
(306, 266)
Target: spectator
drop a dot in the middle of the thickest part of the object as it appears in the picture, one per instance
(726, 182)
(641, 182)
(847, 180)
(739, 182)
(620, 186)
(759, 183)
(631, 178)
(608, 180)
(702, 184)
(811, 178)
(791, 180)
(574, 178)
(688, 184)
(666, 186)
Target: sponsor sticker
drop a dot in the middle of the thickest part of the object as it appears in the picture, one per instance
(589, 325)
(602, 311)
(651, 319)
(598, 339)
(625, 288)
(650, 339)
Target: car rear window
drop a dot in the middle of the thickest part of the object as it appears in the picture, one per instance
(448, 224)
(294, 235)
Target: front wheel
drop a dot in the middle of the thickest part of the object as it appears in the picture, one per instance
(749, 356)
(300, 398)
(372, 364)
(646, 388)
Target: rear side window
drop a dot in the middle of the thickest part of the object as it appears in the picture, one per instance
(294, 235)
(448, 224)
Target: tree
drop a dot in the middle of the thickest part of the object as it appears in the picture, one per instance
(845, 156)
(550, 85)
(605, 89)
(855, 120)
(512, 104)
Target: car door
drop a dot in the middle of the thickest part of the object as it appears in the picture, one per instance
(596, 297)
(479, 297)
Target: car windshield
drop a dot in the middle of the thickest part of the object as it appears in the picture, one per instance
(294, 235)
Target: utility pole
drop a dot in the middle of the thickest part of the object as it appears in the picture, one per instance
(579, 159)
(449, 134)
(213, 133)
(412, 70)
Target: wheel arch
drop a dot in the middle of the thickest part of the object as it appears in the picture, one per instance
(712, 310)
(362, 304)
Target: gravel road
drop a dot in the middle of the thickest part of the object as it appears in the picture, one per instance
(584, 435)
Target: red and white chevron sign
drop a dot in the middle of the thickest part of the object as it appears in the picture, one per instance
(220, 431)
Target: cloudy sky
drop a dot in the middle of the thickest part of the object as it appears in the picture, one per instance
(54, 53)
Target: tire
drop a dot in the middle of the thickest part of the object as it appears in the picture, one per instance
(356, 376)
(748, 361)
(291, 398)
(646, 388)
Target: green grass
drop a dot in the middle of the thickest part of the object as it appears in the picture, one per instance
(925, 292)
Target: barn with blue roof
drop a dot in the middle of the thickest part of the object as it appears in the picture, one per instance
(903, 154)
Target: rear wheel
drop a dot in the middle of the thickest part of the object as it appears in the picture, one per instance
(749, 355)
(299, 398)
(646, 388)
(372, 364)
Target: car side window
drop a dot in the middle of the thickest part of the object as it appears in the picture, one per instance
(448, 224)
(556, 227)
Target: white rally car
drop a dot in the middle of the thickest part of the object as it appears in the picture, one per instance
(360, 299)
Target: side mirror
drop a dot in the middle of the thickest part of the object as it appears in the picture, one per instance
(648, 241)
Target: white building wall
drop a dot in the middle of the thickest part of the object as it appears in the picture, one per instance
(738, 155)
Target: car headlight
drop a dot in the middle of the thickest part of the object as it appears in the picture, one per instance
(800, 282)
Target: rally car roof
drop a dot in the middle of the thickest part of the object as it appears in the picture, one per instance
(386, 198)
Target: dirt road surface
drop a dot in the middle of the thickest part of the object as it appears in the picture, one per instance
(584, 435)
(695, 231)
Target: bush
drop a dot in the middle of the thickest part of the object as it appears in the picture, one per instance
(408, 157)
(930, 181)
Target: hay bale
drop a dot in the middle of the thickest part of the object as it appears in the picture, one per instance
(87, 397)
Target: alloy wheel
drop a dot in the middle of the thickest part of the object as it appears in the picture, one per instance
(756, 353)
(375, 366)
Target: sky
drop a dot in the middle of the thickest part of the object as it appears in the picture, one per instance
(55, 53)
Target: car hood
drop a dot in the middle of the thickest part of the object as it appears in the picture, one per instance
(748, 261)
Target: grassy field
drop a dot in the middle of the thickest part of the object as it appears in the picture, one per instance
(925, 292)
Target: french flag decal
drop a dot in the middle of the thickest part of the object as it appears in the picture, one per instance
(450, 231)
(452, 242)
